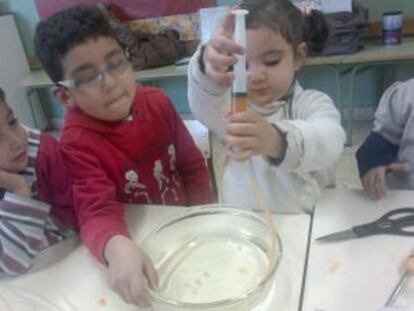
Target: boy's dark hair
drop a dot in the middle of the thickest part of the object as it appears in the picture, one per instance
(285, 18)
(2, 95)
(57, 35)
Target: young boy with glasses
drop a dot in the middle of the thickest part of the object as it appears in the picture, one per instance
(35, 193)
(125, 143)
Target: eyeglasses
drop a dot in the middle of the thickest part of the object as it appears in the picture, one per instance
(89, 78)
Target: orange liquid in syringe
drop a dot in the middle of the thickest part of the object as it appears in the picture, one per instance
(239, 103)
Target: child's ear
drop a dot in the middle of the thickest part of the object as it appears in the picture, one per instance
(63, 96)
(301, 52)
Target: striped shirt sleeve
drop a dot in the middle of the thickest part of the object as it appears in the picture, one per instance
(22, 232)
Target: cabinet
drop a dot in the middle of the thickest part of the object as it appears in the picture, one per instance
(13, 69)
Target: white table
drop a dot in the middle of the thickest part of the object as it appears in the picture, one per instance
(358, 274)
(66, 277)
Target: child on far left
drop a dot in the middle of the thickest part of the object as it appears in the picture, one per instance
(35, 193)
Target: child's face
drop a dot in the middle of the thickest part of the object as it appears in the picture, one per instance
(13, 142)
(111, 98)
(272, 64)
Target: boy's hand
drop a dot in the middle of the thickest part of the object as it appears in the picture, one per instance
(14, 183)
(374, 180)
(249, 134)
(128, 265)
(219, 53)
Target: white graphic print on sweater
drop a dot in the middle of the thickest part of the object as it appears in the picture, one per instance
(134, 188)
(171, 153)
(164, 183)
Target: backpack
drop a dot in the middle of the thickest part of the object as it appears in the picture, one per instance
(146, 50)
(346, 29)
(151, 50)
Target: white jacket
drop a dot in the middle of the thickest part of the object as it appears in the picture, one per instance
(314, 136)
(394, 120)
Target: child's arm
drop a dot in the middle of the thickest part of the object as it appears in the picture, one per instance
(375, 158)
(249, 134)
(374, 181)
(376, 151)
(395, 113)
(99, 214)
(102, 224)
(209, 78)
(208, 101)
(218, 55)
(378, 154)
(128, 265)
(314, 136)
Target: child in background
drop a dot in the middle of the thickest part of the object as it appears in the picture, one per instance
(386, 158)
(125, 143)
(292, 137)
(35, 191)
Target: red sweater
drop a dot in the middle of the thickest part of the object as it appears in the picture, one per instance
(150, 159)
(53, 180)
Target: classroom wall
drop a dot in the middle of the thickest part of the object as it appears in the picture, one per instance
(319, 78)
(377, 7)
(27, 17)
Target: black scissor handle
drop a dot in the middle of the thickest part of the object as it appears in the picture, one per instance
(398, 213)
(393, 222)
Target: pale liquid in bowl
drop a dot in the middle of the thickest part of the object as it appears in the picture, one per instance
(206, 270)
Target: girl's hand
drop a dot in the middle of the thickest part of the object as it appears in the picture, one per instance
(128, 268)
(14, 183)
(249, 134)
(373, 181)
(219, 53)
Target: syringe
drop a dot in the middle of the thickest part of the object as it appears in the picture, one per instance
(239, 91)
(239, 104)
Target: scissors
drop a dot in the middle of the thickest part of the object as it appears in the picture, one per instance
(397, 222)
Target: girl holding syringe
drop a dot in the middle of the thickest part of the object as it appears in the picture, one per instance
(292, 137)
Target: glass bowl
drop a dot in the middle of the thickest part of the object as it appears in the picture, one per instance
(214, 257)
